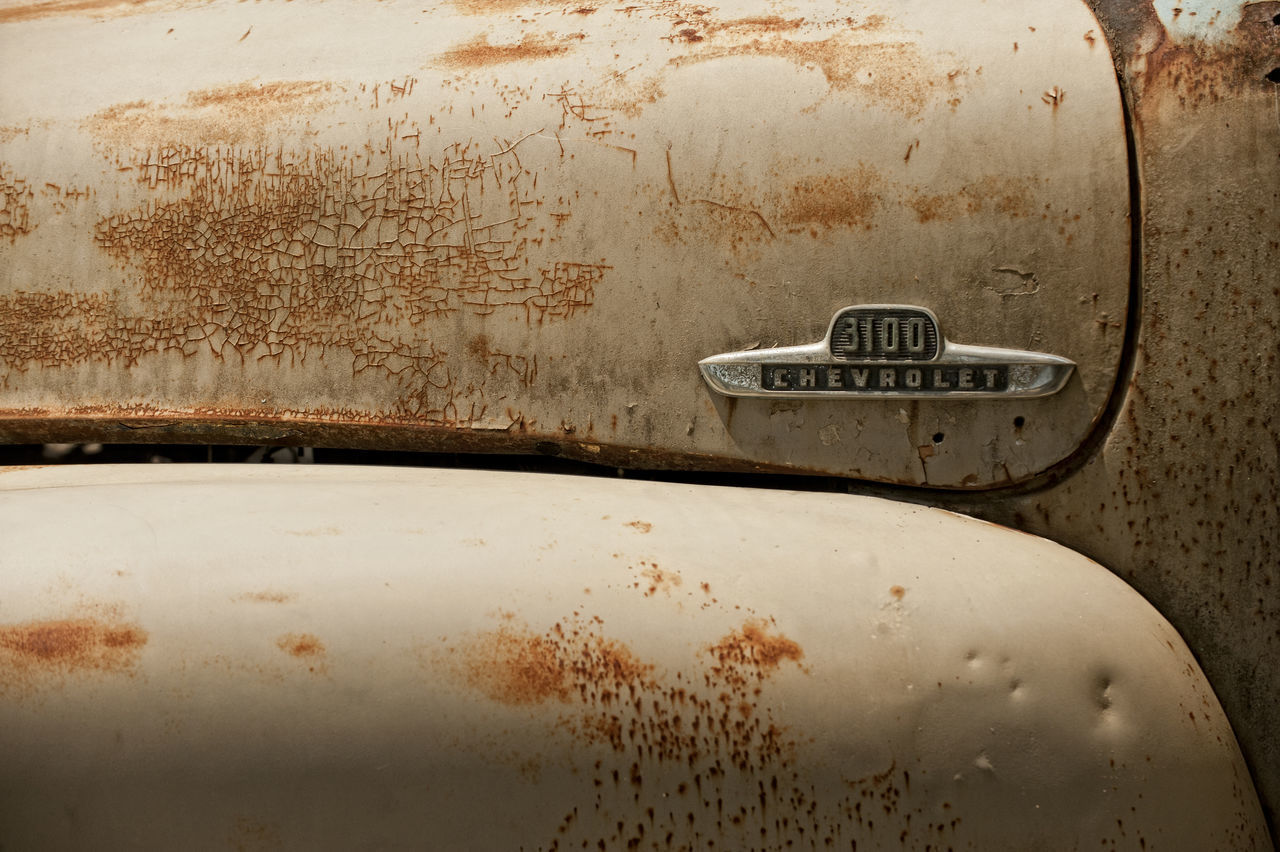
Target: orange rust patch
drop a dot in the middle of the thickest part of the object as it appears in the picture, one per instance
(640, 526)
(898, 592)
(301, 645)
(1012, 197)
(101, 8)
(694, 733)
(236, 113)
(758, 24)
(751, 653)
(847, 199)
(246, 257)
(67, 647)
(479, 53)
(257, 96)
(513, 666)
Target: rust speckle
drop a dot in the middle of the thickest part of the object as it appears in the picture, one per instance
(898, 592)
(1010, 197)
(67, 647)
(513, 666)
(640, 526)
(690, 733)
(304, 646)
(267, 596)
(848, 199)
(751, 652)
(479, 53)
(660, 580)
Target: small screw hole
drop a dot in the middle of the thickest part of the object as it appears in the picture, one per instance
(937, 437)
(1019, 422)
(1274, 75)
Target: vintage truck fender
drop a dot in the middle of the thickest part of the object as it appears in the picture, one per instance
(252, 657)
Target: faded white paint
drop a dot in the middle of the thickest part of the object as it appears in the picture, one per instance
(330, 657)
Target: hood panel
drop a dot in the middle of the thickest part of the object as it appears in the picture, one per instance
(518, 227)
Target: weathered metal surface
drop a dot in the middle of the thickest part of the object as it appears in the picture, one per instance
(530, 221)
(344, 658)
(1181, 499)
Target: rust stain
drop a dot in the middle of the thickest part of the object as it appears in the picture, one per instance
(234, 114)
(758, 25)
(35, 649)
(711, 721)
(267, 596)
(97, 8)
(498, 7)
(259, 96)
(898, 592)
(640, 526)
(622, 94)
(1188, 70)
(15, 198)
(895, 75)
(515, 666)
(268, 254)
(252, 833)
(847, 199)
(479, 53)
(1012, 197)
(751, 651)
(304, 646)
(658, 579)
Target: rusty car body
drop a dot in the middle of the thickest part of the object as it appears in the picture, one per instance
(600, 241)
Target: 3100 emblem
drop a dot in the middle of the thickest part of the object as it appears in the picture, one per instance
(886, 351)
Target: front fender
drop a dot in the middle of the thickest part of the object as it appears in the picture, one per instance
(339, 657)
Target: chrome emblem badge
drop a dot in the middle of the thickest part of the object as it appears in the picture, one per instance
(886, 351)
